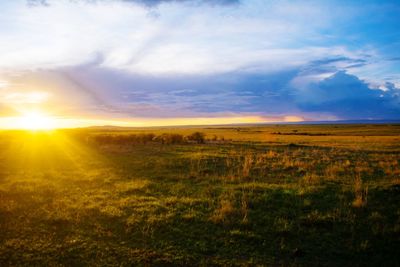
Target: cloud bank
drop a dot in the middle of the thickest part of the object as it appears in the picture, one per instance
(170, 59)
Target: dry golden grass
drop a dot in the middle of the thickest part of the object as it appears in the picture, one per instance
(309, 195)
(360, 192)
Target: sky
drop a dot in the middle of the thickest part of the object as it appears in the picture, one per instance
(181, 62)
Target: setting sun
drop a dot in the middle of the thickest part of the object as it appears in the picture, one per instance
(35, 121)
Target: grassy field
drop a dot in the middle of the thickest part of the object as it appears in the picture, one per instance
(279, 195)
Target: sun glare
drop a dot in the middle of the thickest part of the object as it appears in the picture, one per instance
(35, 121)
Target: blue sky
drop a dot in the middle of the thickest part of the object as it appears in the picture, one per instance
(248, 60)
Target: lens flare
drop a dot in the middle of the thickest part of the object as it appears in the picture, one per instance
(35, 121)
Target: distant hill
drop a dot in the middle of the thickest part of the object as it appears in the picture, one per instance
(344, 122)
(124, 128)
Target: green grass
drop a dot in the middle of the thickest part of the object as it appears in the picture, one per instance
(260, 199)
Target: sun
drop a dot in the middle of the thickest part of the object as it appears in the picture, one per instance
(35, 121)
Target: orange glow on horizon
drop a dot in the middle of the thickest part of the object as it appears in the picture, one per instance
(42, 121)
(293, 119)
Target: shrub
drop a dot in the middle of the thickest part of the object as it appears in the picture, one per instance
(170, 138)
(197, 137)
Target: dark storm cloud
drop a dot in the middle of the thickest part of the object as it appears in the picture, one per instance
(342, 95)
(335, 60)
(329, 65)
(359, 65)
(346, 96)
(183, 95)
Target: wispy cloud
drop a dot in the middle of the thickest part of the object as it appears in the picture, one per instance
(181, 38)
(174, 58)
(150, 3)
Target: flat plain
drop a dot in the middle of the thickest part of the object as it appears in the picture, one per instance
(271, 195)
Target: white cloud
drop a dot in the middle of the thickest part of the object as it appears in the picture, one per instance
(254, 35)
(24, 98)
(3, 84)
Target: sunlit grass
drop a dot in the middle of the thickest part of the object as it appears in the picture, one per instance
(67, 200)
